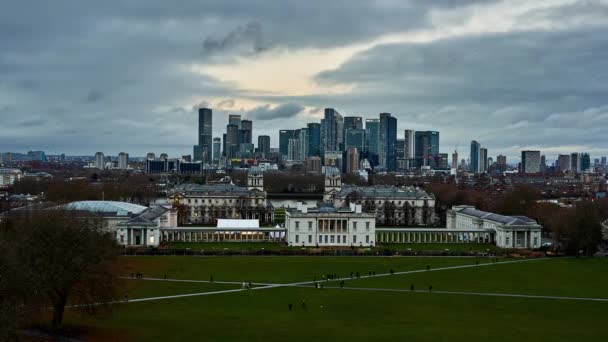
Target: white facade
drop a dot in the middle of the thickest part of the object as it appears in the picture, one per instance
(508, 231)
(328, 226)
(123, 160)
(9, 177)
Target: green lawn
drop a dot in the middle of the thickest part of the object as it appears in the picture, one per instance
(359, 315)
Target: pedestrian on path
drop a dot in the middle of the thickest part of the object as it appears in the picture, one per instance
(412, 287)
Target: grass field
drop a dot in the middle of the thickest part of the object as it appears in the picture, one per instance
(356, 313)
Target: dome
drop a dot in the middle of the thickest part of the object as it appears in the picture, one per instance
(120, 208)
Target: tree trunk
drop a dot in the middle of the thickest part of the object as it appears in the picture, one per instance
(58, 309)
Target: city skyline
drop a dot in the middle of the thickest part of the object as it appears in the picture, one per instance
(512, 82)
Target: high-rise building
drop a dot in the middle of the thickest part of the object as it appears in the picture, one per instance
(232, 141)
(352, 160)
(100, 162)
(303, 141)
(333, 131)
(543, 163)
(474, 163)
(563, 162)
(36, 155)
(284, 136)
(202, 151)
(603, 160)
(455, 160)
(388, 139)
(483, 160)
(400, 155)
(585, 162)
(264, 144)
(530, 161)
(123, 161)
(501, 163)
(426, 148)
(313, 164)
(409, 140)
(235, 119)
(372, 137)
(575, 162)
(353, 122)
(314, 139)
(217, 145)
(164, 156)
(293, 149)
(355, 137)
(245, 132)
(150, 156)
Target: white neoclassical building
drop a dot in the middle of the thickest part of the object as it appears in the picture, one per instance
(506, 231)
(329, 226)
(131, 224)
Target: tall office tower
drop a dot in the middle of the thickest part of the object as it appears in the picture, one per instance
(596, 162)
(164, 156)
(352, 160)
(202, 151)
(150, 156)
(426, 148)
(333, 135)
(543, 163)
(575, 162)
(483, 160)
(455, 160)
(563, 162)
(409, 140)
(372, 137)
(264, 144)
(355, 137)
(217, 149)
(100, 162)
(36, 155)
(530, 161)
(235, 119)
(232, 141)
(303, 140)
(293, 149)
(603, 161)
(245, 132)
(314, 139)
(224, 144)
(284, 136)
(501, 163)
(353, 122)
(123, 161)
(474, 164)
(1, 158)
(400, 155)
(386, 145)
(585, 162)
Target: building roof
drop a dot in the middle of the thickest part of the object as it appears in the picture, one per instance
(227, 223)
(385, 191)
(211, 189)
(118, 208)
(502, 219)
(148, 216)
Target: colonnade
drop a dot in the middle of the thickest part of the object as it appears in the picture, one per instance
(388, 236)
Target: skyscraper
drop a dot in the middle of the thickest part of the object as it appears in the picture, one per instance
(372, 137)
(563, 162)
(232, 141)
(284, 136)
(455, 160)
(388, 139)
(483, 160)
(426, 148)
(217, 145)
(202, 151)
(352, 160)
(409, 142)
(585, 162)
(474, 164)
(235, 119)
(245, 132)
(575, 162)
(355, 137)
(100, 162)
(123, 160)
(264, 144)
(333, 127)
(314, 139)
(353, 122)
(530, 161)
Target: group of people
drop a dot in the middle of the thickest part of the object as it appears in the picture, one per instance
(247, 285)
(138, 275)
(290, 306)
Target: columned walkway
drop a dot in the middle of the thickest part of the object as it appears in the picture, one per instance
(433, 235)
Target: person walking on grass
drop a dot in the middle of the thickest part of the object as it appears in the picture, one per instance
(342, 284)
(428, 267)
(430, 288)
(303, 304)
(412, 287)
(211, 278)
(392, 271)
(290, 306)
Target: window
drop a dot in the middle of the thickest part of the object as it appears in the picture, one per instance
(297, 225)
(309, 238)
(355, 226)
(189, 201)
(507, 240)
(309, 225)
(535, 241)
(366, 238)
(354, 238)
(325, 238)
(333, 239)
(297, 238)
(320, 238)
(367, 225)
(343, 238)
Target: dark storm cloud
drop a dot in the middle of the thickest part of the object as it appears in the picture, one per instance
(249, 35)
(284, 111)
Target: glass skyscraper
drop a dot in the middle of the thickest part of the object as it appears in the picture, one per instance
(426, 148)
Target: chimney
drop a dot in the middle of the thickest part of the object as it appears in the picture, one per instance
(304, 209)
(352, 206)
(358, 209)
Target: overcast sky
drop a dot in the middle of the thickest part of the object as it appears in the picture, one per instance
(78, 77)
